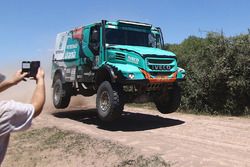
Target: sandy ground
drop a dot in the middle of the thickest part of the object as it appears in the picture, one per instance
(180, 139)
(53, 147)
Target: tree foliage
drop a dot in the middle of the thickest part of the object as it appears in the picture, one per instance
(218, 73)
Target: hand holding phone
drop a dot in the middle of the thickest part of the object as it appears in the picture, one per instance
(31, 67)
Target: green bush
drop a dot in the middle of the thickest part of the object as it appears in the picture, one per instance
(218, 73)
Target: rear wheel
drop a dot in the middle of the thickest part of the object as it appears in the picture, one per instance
(109, 101)
(170, 102)
(61, 94)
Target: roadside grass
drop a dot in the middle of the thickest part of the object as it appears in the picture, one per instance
(55, 147)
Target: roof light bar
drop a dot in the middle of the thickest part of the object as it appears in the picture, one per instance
(134, 23)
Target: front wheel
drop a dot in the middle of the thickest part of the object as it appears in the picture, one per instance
(170, 102)
(61, 94)
(109, 102)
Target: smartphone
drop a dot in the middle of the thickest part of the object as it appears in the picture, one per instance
(31, 67)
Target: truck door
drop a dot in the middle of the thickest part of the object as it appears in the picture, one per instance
(94, 44)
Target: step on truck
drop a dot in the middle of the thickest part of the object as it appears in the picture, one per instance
(121, 62)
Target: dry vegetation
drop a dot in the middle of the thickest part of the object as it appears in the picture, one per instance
(54, 147)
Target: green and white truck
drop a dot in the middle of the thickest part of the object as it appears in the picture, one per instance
(121, 62)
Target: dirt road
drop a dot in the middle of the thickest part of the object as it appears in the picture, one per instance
(180, 139)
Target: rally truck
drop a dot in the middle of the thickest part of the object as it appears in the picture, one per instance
(119, 61)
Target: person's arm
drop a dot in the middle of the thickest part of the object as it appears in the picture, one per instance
(19, 76)
(38, 98)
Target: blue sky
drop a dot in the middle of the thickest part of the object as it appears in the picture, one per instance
(28, 27)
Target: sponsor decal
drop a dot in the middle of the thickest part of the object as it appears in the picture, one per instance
(72, 46)
(89, 73)
(61, 42)
(133, 60)
(70, 74)
(79, 76)
(77, 33)
(70, 55)
(59, 51)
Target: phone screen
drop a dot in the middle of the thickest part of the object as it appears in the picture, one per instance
(25, 66)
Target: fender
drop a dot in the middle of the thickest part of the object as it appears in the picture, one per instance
(59, 73)
(110, 70)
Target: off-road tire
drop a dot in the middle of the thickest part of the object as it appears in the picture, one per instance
(170, 101)
(109, 101)
(61, 94)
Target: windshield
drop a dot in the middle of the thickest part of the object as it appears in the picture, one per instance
(134, 38)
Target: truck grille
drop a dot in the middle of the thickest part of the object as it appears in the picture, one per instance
(157, 61)
(120, 56)
(160, 64)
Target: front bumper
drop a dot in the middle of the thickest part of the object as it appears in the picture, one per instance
(140, 75)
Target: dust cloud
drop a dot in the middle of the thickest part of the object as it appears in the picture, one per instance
(23, 91)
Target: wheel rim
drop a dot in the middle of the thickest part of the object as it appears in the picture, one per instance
(104, 101)
(57, 94)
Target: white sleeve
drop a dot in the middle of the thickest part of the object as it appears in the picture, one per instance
(21, 115)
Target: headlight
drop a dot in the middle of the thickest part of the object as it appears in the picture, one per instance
(131, 76)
